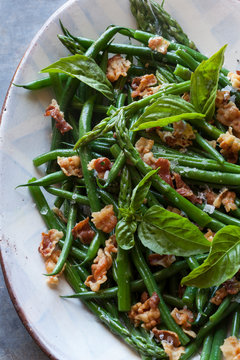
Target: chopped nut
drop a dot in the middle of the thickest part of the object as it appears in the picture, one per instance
(231, 287)
(60, 214)
(209, 235)
(143, 86)
(163, 260)
(226, 198)
(144, 146)
(164, 171)
(159, 44)
(101, 264)
(186, 96)
(231, 348)
(235, 80)
(49, 242)
(212, 143)
(183, 189)
(71, 166)
(173, 352)
(182, 135)
(101, 165)
(117, 66)
(229, 115)
(190, 333)
(50, 264)
(230, 145)
(183, 317)
(222, 98)
(53, 110)
(146, 313)
(166, 335)
(83, 231)
(105, 219)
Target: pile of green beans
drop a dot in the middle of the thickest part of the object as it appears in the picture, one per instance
(99, 131)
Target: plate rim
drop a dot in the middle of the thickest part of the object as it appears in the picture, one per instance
(20, 312)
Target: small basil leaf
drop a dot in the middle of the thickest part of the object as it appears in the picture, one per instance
(125, 233)
(86, 70)
(204, 84)
(222, 262)
(140, 191)
(166, 110)
(165, 232)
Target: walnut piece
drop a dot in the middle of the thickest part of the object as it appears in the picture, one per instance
(230, 145)
(50, 264)
(222, 98)
(101, 165)
(49, 242)
(144, 145)
(143, 86)
(83, 231)
(166, 335)
(231, 287)
(226, 198)
(235, 79)
(53, 110)
(158, 44)
(71, 166)
(229, 115)
(163, 260)
(117, 66)
(173, 352)
(101, 264)
(183, 317)
(182, 135)
(209, 235)
(105, 219)
(146, 313)
(231, 348)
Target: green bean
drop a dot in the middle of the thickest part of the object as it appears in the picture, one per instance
(66, 185)
(108, 199)
(183, 72)
(207, 345)
(41, 83)
(49, 179)
(208, 148)
(221, 309)
(224, 218)
(123, 280)
(236, 323)
(189, 296)
(208, 310)
(173, 301)
(80, 199)
(218, 339)
(52, 155)
(201, 299)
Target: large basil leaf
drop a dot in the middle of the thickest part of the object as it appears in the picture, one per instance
(204, 83)
(86, 70)
(125, 230)
(164, 111)
(165, 232)
(222, 263)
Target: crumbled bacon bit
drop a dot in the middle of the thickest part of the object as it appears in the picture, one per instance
(144, 297)
(166, 335)
(173, 352)
(226, 198)
(71, 166)
(144, 145)
(146, 313)
(50, 264)
(101, 264)
(210, 196)
(117, 66)
(101, 165)
(163, 260)
(49, 242)
(183, 317)
(53, 110)
(105, 219)
(158, 44)
(143, 85)
(60, 214)
(231, 287)
(164, 171)
(235, 80)
(222, 98)
(230, 145)
(182, 135)
(186, 96)
(229, 115)
(231, 348)
(209, 235)
(183, 189)
(83, 231)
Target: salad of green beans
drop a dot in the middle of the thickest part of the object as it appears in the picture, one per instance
(144, 167)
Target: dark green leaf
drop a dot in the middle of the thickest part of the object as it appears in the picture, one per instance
(166, 110)
(222, 262)
(165, 232)
(125, 230)
(86, 70)
(204, 84)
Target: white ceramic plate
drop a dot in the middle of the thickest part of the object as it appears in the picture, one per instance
(64, 328)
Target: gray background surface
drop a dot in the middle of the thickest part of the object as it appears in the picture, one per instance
(19, 22)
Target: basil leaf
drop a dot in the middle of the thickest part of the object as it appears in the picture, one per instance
(86, 70)
(165, 232)
(222, 262)
(164, 111)
(140, 191)
(204, 84)
(125, 230)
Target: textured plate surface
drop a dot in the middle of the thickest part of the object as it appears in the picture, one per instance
(64, 328)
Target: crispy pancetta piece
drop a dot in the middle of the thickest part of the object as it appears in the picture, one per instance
(117, 66)
(101, 165)
(144, 145)
(226, 198)
(101, 264)
(163, 260)
(159, 44)
(71, 166)
(209, 235)
(60, 214)
(53, 110)
(147, 314)
(235, 79)
(222, 98)
(49, 242)
(105, 219)
(50, 264)
(83, 231)
(183, 189)
(182, 135)
(230, 145)
(164, 171)
(144, 85)
(231, 348)
(229, 115)
(231, 287)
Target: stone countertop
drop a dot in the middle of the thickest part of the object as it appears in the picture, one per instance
(19, 22)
